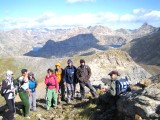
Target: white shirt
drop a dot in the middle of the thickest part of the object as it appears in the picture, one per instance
(25, 85)
(11, 94)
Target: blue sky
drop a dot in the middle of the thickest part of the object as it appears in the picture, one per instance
(115, 14)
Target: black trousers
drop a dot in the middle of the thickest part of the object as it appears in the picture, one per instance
(11, 106)
(62, 91)
(82, 89)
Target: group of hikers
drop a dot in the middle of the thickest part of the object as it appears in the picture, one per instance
(57, 81)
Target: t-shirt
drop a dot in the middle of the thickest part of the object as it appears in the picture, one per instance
(24, 85)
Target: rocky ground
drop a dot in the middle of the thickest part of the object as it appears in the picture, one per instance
(142, 103)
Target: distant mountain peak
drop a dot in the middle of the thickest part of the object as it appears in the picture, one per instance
(146, 25)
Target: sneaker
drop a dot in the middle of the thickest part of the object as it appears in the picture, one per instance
(27, 117)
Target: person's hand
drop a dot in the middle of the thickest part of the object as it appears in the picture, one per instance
(30, 94)
(12, 89)
(64, 84)
(47, 75)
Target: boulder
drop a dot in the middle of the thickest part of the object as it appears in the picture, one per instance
(143, 102)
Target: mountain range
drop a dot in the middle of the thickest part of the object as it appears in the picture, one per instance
(145, 50)
(86, 41)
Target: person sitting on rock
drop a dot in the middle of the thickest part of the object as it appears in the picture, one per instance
(52, 88)
(109, 98)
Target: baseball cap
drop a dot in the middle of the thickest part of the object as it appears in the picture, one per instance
(114, 72)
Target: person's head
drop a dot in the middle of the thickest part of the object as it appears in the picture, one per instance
(69, 62)
(50, 71)
(82, 62)
(58, 65)
(30, 75)
(9, 74)
(24, 72)
(113, 74)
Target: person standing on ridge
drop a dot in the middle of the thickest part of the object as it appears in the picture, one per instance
(83, 76)
(24, 92)
(8, 92)
(59, 72)
(52, 88)
(70, 80)
(32, 87)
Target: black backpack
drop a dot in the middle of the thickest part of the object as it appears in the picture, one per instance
(3, 88)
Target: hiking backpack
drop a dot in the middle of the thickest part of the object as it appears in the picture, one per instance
(122, 86)
(2, 89)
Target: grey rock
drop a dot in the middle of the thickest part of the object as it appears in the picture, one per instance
(144, 102)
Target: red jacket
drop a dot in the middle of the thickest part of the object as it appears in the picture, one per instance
(52, 82)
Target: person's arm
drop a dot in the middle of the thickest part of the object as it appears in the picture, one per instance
(75, 75)
(29, 92)
(113, 89)
(89, 72)
(36, 82)
(78, 75)
(56, 83)
(25, 79)
(46, 80)
(64, 76)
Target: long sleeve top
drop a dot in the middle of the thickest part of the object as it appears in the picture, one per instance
(51, 82)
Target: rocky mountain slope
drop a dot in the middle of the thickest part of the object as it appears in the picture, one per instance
(145, 50)
(19, 42)
(70, 47)
(101, 64)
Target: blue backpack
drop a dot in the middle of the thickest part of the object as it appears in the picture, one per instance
(122, 86)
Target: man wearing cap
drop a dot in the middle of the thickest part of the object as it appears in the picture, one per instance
(70, 80)
(9, 94)
(59, 72)
(83, 75)
(24, 92)
(110, 97)
(113, 75)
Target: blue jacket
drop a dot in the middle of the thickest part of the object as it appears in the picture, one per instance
(32, 85)
(70, 75)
